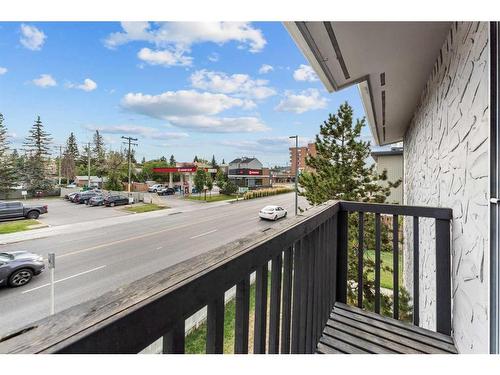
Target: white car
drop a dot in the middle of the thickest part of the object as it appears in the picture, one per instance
(155, 188)
(272, 212)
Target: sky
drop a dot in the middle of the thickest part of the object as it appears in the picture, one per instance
(223, 89)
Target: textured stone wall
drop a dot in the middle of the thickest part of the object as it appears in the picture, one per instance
(446, 161)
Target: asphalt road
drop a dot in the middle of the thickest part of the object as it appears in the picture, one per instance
(90, 263)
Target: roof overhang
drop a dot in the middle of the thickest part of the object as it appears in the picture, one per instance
(389, 61)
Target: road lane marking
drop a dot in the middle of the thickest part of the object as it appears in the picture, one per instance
(203, 234)
(64, 279)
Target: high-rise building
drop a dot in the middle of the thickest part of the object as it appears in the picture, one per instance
(298, 157)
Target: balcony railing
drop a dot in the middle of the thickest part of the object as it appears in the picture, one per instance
(306, 259)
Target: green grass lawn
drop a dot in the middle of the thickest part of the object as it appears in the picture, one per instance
(196, 339)
(385, 260)
(213, 198)
(147, 207)
(16, 226)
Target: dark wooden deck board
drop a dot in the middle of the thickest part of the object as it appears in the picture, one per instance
(353, 330)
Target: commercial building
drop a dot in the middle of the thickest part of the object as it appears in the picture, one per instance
(391, 161)
(298, 157)
(249, 173)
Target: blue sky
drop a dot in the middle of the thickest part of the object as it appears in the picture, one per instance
(229, 89)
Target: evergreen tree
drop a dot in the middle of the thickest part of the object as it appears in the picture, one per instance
(195, 159)
(339, 172)
(7, 172)
(210, 184)
(213, 162)
(143, 161)
(72, 147)
(223, 161)
(99, 154)
(37, 148)
(163, 158)
(172, 161)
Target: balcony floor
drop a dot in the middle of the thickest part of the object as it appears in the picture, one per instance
(351, 330)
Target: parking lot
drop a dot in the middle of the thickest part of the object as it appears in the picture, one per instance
(63, 212)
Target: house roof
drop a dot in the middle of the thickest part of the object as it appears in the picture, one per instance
(392, 152)
(389, 61)
(243, 160)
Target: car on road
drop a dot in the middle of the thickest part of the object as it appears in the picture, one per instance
(15, 210)
(155, 188)
(96, 200)
(272, 212)
(115, 200)
(17, 268)
(166, 191)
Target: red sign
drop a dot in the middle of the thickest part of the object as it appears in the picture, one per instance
(174, 169)
(253, 172)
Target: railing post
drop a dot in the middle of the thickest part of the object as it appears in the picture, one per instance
(443, 277)
(215, 326)
(241, 316)
(173, 341)
(341, 294)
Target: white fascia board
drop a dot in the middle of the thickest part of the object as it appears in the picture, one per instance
(366, 98)
(301, 43)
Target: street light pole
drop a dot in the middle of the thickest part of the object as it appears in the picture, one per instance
(296, 170)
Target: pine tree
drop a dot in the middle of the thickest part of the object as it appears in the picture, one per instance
(223, 161)
(172, 161)
(37, 148)
(72, 147)
(195, 160)
(339, 172)
(213, 162)
(7, 172)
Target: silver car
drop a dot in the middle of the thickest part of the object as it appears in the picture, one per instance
(17, 268)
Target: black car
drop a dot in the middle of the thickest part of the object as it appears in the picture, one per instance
(115, 200)
(14, 210)
(166, 191)
(96, 200)
(86, 195)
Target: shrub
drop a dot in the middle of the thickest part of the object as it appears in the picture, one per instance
(229, 188)
(266, 192)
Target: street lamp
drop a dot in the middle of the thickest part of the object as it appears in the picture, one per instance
(296, 169)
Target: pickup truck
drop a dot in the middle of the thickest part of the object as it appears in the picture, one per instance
(14, 210)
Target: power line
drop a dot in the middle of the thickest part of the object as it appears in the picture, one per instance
(129, 141)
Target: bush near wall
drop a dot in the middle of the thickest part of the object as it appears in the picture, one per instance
(266, 192)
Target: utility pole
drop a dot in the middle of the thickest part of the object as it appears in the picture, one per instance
(296, 170)
(88, 166)
(60, 162)
(129, 141)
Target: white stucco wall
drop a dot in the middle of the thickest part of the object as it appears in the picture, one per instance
(446, 164)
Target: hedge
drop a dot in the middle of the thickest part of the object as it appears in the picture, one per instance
(266, 192)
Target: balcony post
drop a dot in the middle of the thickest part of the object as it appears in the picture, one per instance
(342, 237)
(443, 277)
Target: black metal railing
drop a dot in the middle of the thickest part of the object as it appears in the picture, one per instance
(305, 258)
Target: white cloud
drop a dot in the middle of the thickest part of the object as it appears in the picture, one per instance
(45, 80)
(143, 131)
(183, 35)
(265, 68)
(3, 70)
(238, 84)
(87, 85)
(179, 103)
(210, 124)
(305, 73)
(164, 57)
(304, 101)
(190, 109)
(213, 57)
(278, 145)
(31, 37)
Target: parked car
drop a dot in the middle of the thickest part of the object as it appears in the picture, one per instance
(70, 195)
(115, 200)
(71, 186)
(194, 190)
(97, 200)
(166, 191)
(17, 268)
(155, 188)
(86, 195)
(272, 212)
(14, 210)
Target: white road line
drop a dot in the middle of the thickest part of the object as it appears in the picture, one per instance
(64, 279)
(203, 234)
